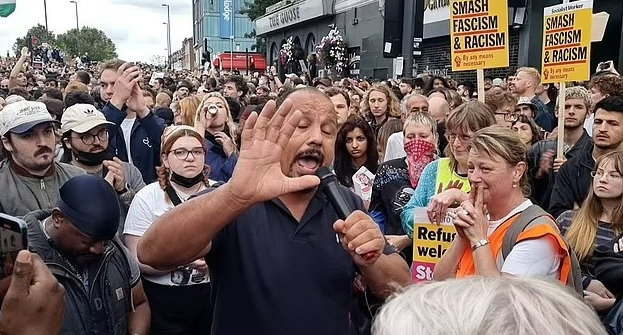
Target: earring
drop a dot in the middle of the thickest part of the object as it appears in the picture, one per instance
(515, 185)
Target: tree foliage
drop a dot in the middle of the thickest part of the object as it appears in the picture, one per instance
(87, 40)
(255, 9)
(37, 31)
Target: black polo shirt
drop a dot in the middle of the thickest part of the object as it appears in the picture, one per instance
(273, 275)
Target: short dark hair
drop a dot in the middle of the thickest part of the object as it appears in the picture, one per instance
(53, 93)
(83, 77)
(333, 91)
(408, 81)
(78, 97)
(241, 84)
(418, 82)
(52, 80)
(21, 92)
(610, 104)
(160, 81)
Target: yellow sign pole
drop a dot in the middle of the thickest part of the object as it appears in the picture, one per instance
(480, 77)
(560, 146)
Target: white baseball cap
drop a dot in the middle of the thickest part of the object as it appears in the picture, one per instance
(21, 116)
(82, 118)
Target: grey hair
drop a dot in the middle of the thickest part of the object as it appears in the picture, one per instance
(487, 306)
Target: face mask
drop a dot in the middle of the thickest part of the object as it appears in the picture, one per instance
(419, 154)
(187, 182)
(90, 158)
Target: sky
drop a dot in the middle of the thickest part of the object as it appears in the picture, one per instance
(135, 26)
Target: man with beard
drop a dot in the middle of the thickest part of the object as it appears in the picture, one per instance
(85, 145)
(276, 250)
(29, 176)
(76, 240)
(525, 85)
(541, 160)
(574, 177)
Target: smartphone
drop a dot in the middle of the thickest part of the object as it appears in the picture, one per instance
(605, 65)
(12, 240)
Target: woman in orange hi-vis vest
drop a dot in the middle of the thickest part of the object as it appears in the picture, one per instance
(497, 173)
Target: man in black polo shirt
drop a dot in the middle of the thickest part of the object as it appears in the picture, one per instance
(271, 238)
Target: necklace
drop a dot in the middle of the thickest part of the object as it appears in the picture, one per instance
(51, 242)
(184, 196)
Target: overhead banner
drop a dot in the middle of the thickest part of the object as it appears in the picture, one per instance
(226, 8)
(567, 31)
(479, 34)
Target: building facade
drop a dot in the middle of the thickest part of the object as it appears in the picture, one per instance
(361, 23)
(218, 25)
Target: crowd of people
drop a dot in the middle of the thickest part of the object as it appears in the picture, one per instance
(189, 204)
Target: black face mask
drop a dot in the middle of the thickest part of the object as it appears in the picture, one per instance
(90, 158)
(187, 182)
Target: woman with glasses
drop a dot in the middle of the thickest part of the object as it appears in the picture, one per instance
(214, 121)
(85, 145)
(527, 129)
(595, 223)
(443, 182)
(503, 104)
(179, 298)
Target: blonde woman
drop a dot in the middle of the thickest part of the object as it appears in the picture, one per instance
(599, 220)
(215, 122)
(187, 111)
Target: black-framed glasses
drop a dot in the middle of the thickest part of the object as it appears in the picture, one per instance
(182, 154)
(89, 138)
(610, 176)
(509, 116)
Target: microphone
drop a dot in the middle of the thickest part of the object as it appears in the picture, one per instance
(331, 188)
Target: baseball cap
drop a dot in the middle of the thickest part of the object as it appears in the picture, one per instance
(92, 205)
(19, 117)
(82, 118)
(526, 101)
(13, 99)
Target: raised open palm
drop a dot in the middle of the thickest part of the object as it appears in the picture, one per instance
(258, 175)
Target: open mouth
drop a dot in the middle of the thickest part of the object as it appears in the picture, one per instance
(309, 161)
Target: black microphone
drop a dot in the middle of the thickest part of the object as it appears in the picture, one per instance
(331, 188)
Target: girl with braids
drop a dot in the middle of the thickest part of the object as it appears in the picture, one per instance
(179, 298)
(599, 220)
(215, 122)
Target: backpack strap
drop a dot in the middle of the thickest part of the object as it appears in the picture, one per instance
(524, 220)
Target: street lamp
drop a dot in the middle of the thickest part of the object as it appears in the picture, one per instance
(76, 4)
(168, 31)
(168, 62)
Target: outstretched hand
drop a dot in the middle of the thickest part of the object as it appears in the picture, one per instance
(258, 175)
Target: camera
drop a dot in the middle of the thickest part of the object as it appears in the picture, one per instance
(213, 109)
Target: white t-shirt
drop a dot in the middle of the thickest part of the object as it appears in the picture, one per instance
(148, 205)
(395, 147)
(126, 127)
(530, 258)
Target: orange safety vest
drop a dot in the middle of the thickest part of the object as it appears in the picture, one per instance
(496, 240)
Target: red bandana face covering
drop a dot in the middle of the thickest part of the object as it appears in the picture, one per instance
(419, 154)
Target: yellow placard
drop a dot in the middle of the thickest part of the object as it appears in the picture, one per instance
(479, 34)
(567, 31)
(430, 241)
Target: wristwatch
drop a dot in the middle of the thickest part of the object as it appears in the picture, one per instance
(479, 244)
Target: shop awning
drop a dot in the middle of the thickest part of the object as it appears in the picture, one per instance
(224, 61)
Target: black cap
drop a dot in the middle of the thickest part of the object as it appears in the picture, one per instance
(92, 205)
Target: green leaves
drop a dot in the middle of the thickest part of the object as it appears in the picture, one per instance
(74, 43)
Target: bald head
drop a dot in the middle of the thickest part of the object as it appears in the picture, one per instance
(439, 108)
(417, 103)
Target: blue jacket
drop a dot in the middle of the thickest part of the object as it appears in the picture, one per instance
(144, 141)
(221, 166)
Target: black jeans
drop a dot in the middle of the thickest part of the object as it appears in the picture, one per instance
(179, 310)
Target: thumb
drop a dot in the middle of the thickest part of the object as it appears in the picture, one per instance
(22, 273)
(301, 183)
